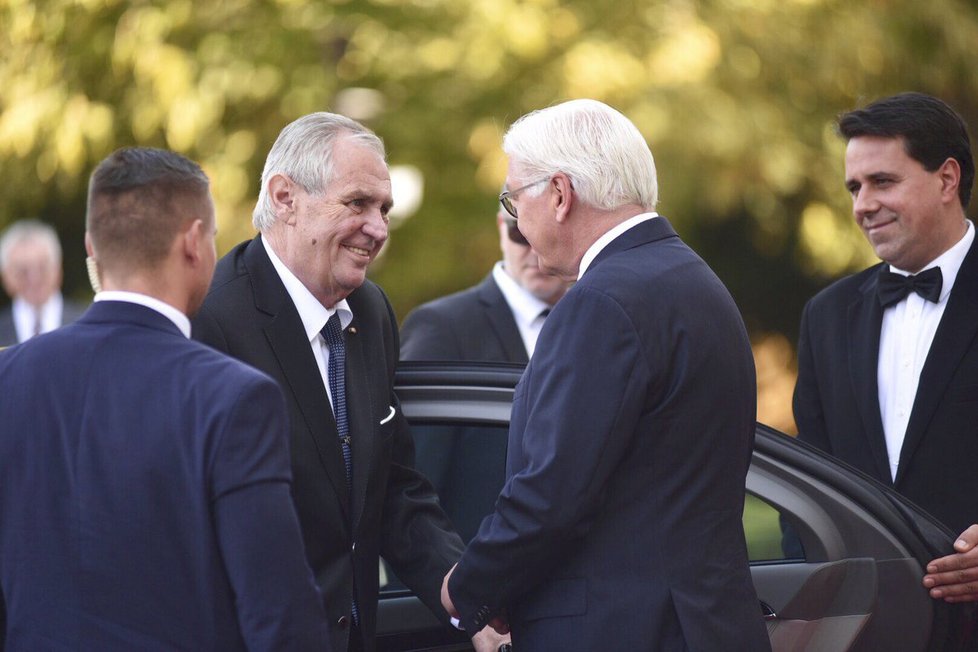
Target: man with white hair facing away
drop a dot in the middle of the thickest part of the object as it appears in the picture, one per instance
(619, 526)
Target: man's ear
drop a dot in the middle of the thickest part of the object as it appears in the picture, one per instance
(282, 192)
(950, 176)
(563, 196)
(193, 240)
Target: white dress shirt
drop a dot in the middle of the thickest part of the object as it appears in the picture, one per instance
(26, 316)
(906, 335)
(527, 309)
(178, 318)
(313, 314)
(609, 236)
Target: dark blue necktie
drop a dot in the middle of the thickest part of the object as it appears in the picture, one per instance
(894, 287)
(336, 375)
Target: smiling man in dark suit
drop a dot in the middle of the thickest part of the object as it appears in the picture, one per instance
(295, 303)
(620, 523)
(144, 478)
(498, 320)
(888, 357)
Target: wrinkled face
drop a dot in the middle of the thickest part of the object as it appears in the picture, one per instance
(31, 273)
(523, 265)
(900, 207)
(336, 235)
(536, 221)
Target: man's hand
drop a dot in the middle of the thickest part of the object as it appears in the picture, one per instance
(488, 640)
(955, 577)
(498, 623)
(446, 600)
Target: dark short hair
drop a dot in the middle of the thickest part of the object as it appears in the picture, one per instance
(138, 199)
(932, 132)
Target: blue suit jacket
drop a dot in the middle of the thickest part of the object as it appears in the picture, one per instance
(144, 495)
(619, 527)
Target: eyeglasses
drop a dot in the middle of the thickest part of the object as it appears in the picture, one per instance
(506, 198)
(513, 232)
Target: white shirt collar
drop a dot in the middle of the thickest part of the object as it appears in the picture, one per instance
(950, 261)
(178, 318)
(25, 316)
(610, 235)
(313, 314)
(524, 305)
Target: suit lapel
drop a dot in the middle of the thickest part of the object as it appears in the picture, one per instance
(954, 336)
(361, 414)
(286, 337)
(865, 316)
(500, 318)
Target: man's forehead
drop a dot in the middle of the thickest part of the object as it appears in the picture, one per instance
(875, 154)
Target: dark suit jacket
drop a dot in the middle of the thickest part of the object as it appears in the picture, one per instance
(394, 511)
(474, 324)
(465, 466)
(836, 400)
(619, 527)
(8, 332)
(144, 495)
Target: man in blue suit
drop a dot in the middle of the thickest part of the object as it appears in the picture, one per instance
(619, 526)
(144, 478)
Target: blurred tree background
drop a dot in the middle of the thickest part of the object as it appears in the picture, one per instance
(736, 98)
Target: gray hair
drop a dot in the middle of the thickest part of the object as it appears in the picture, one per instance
(25, 230)
(303, 152)
(604, 154)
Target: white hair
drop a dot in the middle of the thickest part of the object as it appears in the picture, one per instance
(26, 230)
(604, 154)
(303, 152)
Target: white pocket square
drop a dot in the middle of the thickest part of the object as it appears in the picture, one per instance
(388, 417)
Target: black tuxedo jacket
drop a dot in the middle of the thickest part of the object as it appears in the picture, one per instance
(393, 511)
(474, 324)
(836, 399)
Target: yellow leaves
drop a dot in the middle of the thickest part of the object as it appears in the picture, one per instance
(600, 69)
(483, 145)
(832, 244)
(688, 53)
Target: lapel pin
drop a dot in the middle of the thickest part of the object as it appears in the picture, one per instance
(352, 330)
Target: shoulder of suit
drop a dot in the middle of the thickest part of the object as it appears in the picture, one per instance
(459, 303)
(847, 288)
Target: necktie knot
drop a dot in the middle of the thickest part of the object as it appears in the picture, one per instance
(893, 287)
(333, 332)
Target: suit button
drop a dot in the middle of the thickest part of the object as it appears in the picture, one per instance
(343, 622)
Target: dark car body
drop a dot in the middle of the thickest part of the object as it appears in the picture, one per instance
(856, 550)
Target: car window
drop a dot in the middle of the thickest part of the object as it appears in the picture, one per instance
(767, 538)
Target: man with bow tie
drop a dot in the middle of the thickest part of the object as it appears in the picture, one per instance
(888, 357)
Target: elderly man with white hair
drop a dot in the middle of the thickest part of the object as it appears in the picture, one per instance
(619, 525)
(30, 267)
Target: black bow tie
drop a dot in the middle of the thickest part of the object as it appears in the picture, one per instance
(894, 287)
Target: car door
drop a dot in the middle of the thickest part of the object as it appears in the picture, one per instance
(850, 579)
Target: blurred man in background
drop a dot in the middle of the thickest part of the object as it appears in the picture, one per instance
(498, 320)
(30, 267)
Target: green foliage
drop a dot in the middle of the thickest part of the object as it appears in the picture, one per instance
(736, 98)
